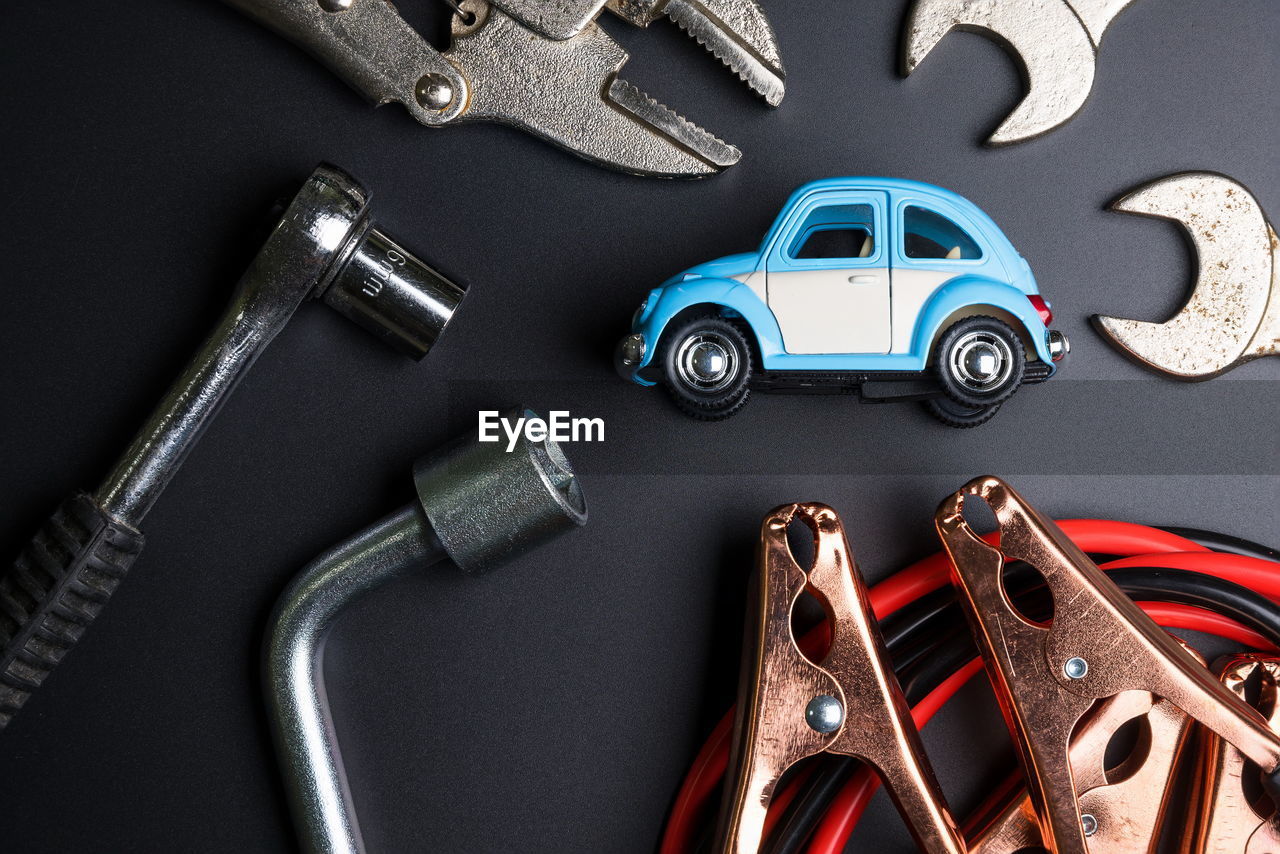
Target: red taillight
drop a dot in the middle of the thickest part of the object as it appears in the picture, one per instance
(1042, 308)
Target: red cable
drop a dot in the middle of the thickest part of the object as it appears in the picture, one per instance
(1144, 544)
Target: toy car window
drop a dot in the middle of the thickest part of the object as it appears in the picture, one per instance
(837, 242)
(836, 231)
(926, 234)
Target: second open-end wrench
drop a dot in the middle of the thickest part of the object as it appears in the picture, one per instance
(1233, 313)
(1055, 42)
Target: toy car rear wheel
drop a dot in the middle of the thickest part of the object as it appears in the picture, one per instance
(955, 414)
(706, 365)
(979, 361)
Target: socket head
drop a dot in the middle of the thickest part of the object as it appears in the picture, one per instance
(358, 270)
(487, 505)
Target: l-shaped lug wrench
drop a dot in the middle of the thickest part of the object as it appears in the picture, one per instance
(478, 506)
(324, 246)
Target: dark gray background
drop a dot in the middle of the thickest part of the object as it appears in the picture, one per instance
(554, 706)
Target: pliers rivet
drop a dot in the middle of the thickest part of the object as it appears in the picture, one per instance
(434, 91)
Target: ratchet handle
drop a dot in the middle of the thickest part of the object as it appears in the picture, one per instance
(54, 590)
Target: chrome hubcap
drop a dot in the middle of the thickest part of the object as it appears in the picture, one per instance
(707, 362)
(981, 361)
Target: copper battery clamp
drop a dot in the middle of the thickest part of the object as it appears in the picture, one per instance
(1124, 805)
(1099, 644)
(851, 704)
(1225, 815)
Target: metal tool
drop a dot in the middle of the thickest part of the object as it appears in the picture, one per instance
(1055, 41)
(323, 247)
(1121, 809)
(735, 31)
(1233, 314)
(1227, 813)
(547, 68)
(1098, 644)
(850, 704)
(478, 506)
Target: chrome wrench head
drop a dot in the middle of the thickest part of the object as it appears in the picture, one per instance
(555, 77)
(568, 92)
(1233, 313)
(1054, 41)
(735, 31)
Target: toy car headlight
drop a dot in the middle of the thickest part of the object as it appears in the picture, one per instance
(1058, 344)
(632, 349)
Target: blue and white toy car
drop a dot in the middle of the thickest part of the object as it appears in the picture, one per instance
(891, 289)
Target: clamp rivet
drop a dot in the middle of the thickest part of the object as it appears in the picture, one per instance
(336, 5)
(824, 714)
(434, 92)
(1075, 668)
(1088, 824)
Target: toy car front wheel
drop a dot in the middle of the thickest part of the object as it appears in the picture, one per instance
(706, 366)
(955, 414)
(979, 361)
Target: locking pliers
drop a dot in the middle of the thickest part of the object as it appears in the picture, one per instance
(545, 67)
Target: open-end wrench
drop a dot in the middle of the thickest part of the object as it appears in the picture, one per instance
(1233, 313)
(546, 68)
(324, 246)
(1055, 41)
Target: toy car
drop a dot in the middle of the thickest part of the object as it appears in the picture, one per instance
(889, 289)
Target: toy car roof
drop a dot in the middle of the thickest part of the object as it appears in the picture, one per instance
(896, 187)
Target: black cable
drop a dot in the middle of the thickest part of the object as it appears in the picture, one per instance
(815, 795)
(952, 647)
(1245, 606)
(1224, 542)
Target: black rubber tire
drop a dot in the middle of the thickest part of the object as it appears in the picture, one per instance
(718, 403)
(954, 385)
(958, 415)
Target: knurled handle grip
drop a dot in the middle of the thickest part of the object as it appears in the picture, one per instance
(54, 590)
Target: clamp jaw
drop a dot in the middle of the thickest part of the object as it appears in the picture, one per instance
(849, 704)
(1099, 644)
(1121, 809)
(1226, 814)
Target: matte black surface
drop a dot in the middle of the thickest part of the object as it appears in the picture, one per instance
(552, 706)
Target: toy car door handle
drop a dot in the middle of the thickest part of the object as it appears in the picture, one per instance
(851, 704)
(1099, 644)
(862, 280)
